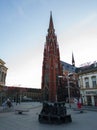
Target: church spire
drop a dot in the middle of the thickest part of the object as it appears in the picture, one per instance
(51, 21)
(51, 26)
(73, 62)
(51, 66)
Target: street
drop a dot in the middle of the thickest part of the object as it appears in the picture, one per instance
(29, 120)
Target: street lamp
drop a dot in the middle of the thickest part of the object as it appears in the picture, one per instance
(70, 74)
(68, 86)
(69, 92)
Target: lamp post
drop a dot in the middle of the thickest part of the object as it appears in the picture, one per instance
(69, 92)
(68, 86)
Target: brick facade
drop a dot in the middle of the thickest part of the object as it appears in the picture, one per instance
(51, 68)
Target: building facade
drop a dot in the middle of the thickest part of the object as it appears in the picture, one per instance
(3, 73)
(19, 94)
(88, 84)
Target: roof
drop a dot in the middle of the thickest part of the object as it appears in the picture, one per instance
(68, 67)
(87, 69)
(2, 62)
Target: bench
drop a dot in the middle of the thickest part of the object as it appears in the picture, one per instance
(20, 111)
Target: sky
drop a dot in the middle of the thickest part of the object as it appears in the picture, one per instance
(23, 30)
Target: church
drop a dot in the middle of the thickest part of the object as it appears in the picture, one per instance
(53, 87)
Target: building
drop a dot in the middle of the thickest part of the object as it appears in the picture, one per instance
(3, 73)
(88, 83)
(55, 72)
(19, 94)
(69, 72)
(51, 67)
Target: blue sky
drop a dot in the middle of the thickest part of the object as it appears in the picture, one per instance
(23, 29)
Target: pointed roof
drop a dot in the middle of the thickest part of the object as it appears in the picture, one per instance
(68, 67)
(51, 26)
(73, 62)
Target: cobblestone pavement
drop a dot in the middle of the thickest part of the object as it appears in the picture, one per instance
(29, 121)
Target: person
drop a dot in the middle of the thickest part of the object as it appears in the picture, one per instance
(75, 101)
(9, 104)
(79, 105)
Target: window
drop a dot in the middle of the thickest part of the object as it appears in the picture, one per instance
(87, 82)
(94, 81)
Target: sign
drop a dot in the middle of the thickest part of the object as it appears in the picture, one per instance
(91, 92)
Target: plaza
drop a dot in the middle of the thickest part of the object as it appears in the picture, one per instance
(29, 120)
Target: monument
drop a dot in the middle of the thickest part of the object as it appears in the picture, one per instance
(53, 94)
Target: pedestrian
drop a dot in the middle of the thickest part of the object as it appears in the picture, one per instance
(79, 105)
(9, 104)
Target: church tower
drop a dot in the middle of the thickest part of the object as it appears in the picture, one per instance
(51, 67)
